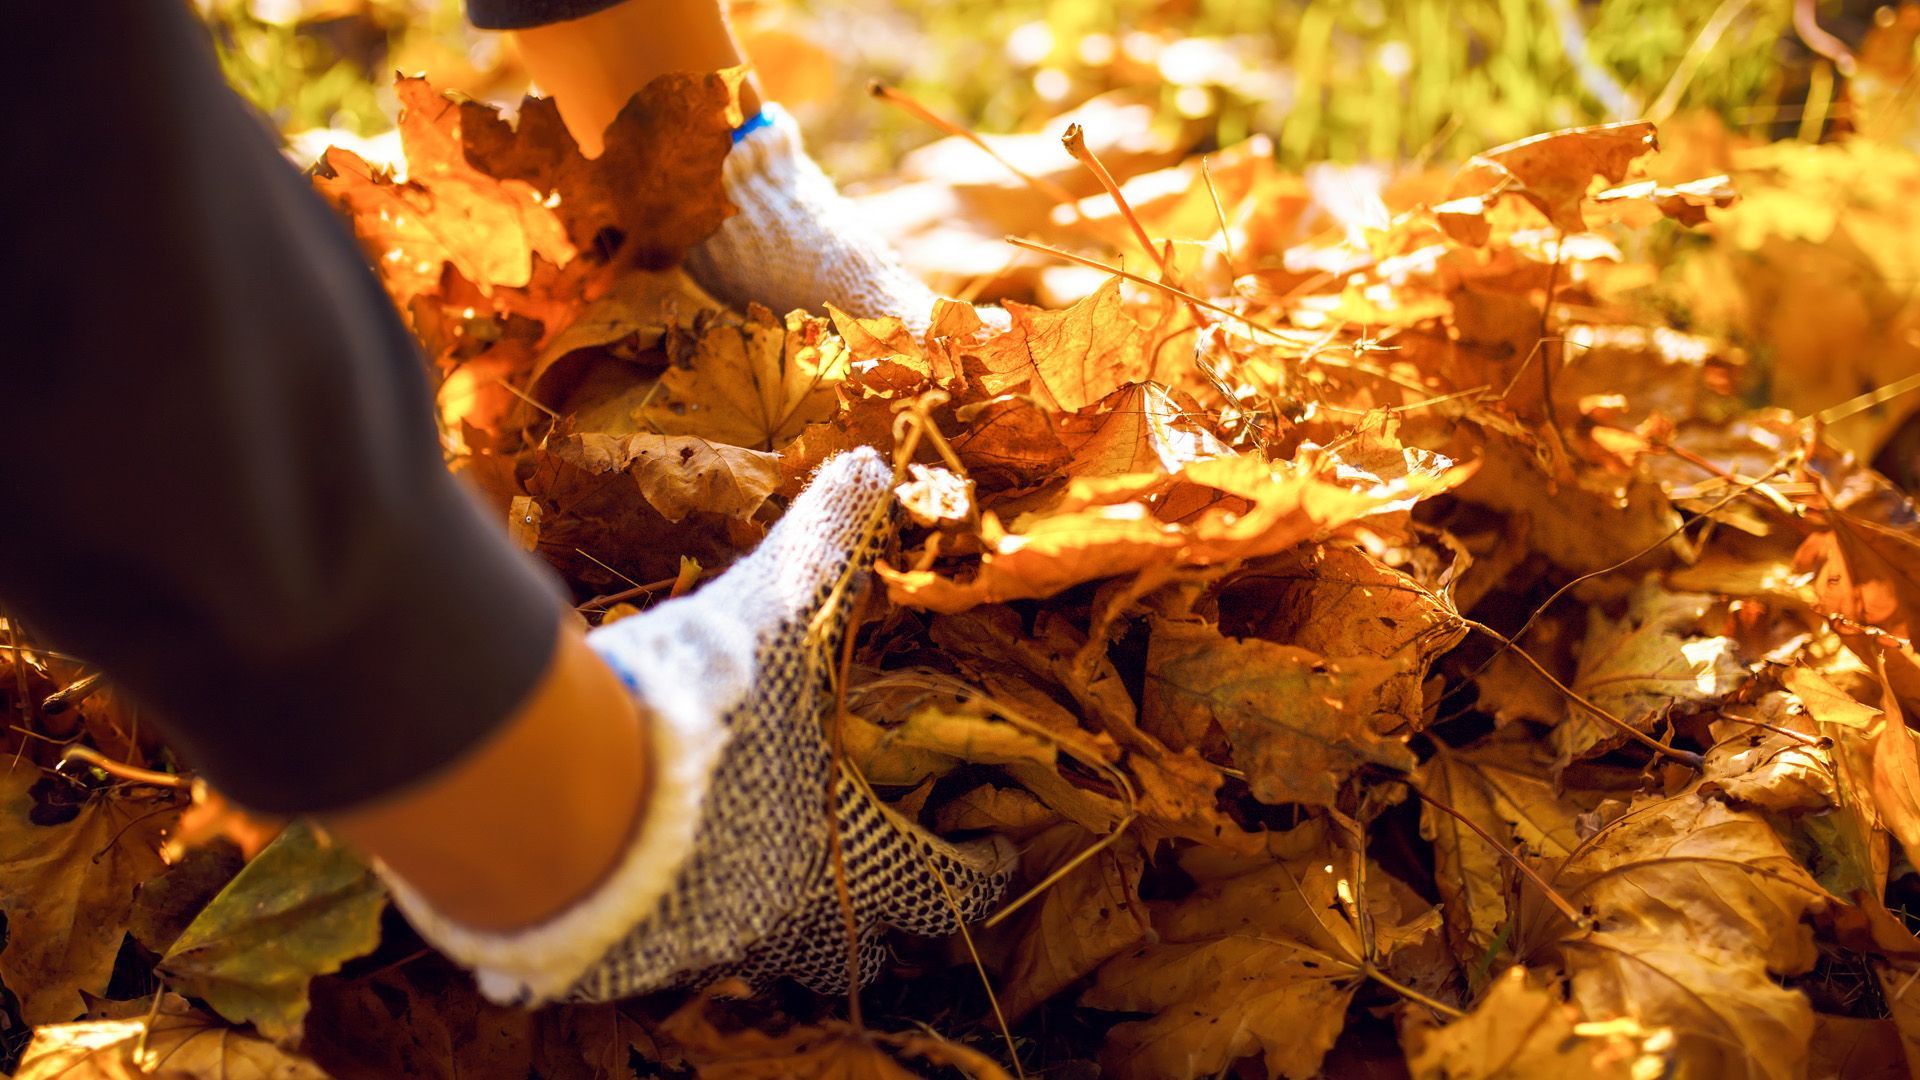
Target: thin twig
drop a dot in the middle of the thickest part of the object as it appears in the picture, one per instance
(1696, 55)
(130, 773)
(1686, 757)
(1075, 140)
(895, 96)
(1806, 23)
(25, 703)
(1801, 737)
(1870, 399)
(1553, 896)
(1220, 215)
(842, 887)
(627, 594)
(72, 694)
(1546, 323)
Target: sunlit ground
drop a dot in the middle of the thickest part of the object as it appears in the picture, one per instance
(1354, 80)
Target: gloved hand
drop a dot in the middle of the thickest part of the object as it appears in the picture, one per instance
(730, 872)
(798, 243)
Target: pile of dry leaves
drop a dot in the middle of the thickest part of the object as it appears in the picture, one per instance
(1393, 649)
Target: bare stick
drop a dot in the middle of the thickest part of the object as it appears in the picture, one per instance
(895, 96)
(1220, 215)
(627, 594)
(72, 694)
(1546, 323)
(1553, 896)
(1686, 757)
(1075, 140)
(130, 773)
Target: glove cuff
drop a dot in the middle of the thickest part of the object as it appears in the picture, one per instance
(541, 963)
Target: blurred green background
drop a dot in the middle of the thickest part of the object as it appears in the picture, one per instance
(1338, 80)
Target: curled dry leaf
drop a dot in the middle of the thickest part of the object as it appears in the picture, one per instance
(1242, 507)
(1696, 909)
(1553, 172)
(1866, 573)
(1686, 203)
(935, 737)
(177, 1043)
(1780, 766)
(1504, 786)
(933, 495)
(679, 474)
(1522, 1031)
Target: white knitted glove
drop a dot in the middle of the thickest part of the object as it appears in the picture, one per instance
(730, 872)
(797, 242)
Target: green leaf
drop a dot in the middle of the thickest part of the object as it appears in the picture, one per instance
(301, 908)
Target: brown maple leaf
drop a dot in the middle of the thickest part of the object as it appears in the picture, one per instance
(1066, 359)
(1553, 172)
(1262, 958)
(176, 1040)
(1293, 717)
(1523, 1031)
(653, 192)
(1655, 658)
(67, 889)
(678, 474)
(445, 211)
(1083, 919)
(756, 383)
(1505, 786)
(1696, 909)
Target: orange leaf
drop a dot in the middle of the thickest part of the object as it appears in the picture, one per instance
(652, 193)
(1552, 171)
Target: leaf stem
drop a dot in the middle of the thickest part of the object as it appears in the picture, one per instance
(1685, 757)
(1381, 977)
(1553, 896)
(1546, 323)
(895, 96)
(130, 773)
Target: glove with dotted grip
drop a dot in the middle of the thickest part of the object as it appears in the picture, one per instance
(731, 870)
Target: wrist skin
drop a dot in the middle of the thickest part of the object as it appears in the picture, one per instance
(532, 818)
(592, 65)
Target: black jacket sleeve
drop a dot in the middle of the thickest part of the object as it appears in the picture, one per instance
(219, 472)
(520, 14)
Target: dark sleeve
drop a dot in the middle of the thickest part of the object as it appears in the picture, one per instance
(221, 478)
(520, 14)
